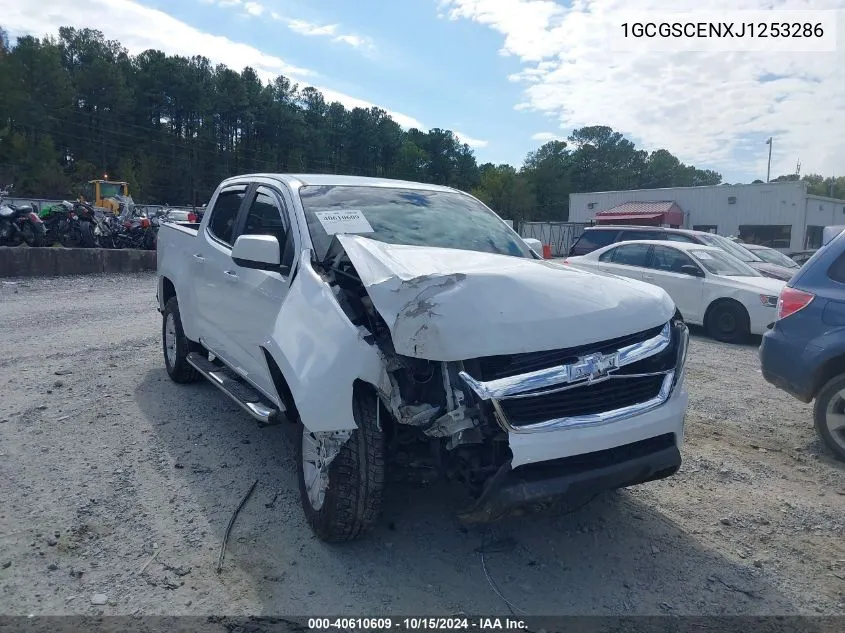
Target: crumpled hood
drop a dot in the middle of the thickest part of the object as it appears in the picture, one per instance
(445, 304)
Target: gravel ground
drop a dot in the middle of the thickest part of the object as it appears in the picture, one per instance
(117, 482)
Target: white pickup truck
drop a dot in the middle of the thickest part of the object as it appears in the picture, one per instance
(404, 327)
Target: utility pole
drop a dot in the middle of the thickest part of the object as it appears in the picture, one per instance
(769, 168)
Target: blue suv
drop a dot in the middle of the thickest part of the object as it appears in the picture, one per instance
(804, 352)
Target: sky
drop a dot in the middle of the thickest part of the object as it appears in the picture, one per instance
(509, 75)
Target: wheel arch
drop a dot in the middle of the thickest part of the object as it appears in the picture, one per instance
(168, 291)
(722, 301)
(831, 368)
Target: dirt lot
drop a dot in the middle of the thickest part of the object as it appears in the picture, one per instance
(104, 463)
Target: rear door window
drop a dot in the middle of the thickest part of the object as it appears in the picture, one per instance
(592, 240)
(631, 255)
(221, 224)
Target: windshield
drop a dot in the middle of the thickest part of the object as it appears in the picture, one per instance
(737, 250)
(720, 263)
(775, 257)
(110, 189)
(407, 216)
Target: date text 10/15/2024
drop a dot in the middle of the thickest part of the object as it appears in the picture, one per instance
(418, 624)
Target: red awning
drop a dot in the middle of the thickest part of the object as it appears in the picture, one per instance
(651, 212)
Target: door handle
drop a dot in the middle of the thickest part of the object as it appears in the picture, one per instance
(199, 257)
(230, 276)
(648, 276)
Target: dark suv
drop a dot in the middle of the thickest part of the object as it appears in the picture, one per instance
(595, 237)
(804, 352)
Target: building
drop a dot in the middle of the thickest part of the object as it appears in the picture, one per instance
(778, 214)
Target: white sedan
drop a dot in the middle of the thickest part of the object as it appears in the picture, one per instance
(709, 286)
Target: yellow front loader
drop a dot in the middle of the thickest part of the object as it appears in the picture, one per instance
(105, 194)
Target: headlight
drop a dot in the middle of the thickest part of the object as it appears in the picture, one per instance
(769, 301)
(682, 332)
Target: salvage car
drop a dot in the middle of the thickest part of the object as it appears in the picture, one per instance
(399, 325)
(710, 287)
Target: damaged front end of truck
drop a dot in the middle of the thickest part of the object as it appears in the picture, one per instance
(482, 356)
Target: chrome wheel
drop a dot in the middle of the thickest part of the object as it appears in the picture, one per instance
(170, 339)
(834, 418)
(315, 468)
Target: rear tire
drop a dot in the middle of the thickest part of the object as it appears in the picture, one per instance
(727, 321)
(351, 503)
(830, 401)
(176, 346)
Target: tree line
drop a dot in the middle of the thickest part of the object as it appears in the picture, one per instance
(79, 106)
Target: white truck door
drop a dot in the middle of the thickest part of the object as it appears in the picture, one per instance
(212, 261)
(258, 294)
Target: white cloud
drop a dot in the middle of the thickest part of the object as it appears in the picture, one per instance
(253, 8)
(712, 108)
(307, 28)
(545, 137)
(328, 30)
(474, 143)
(140, 28)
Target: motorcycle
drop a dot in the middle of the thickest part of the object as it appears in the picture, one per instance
(135, 231)
(82, 225)
(19, 224)
(57, 219)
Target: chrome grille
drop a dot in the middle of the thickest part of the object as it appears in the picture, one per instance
(593, 384)
(495, 367)
(586, 400)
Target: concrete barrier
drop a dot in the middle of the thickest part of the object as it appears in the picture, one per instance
(22, 261)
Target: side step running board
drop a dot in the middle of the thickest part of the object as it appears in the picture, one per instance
(240, 391)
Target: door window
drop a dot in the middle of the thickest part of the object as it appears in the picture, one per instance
(225, 212)
(669, 259)
(266, 216)
(631, 254)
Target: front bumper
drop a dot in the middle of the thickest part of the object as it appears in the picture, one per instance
(576, 479)
(576, 457)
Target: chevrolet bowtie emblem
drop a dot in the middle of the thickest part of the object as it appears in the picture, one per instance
(594, 366)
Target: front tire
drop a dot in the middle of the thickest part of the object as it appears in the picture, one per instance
(348, 503)
(728, 322)
(829, 415)
(176, 345)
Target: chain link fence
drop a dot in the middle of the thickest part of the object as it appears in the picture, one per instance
(559, 236)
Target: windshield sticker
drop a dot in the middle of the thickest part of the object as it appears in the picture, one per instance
(352, 221)
(702, 255)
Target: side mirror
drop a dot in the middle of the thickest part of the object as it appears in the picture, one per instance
(694, 271)
(534, 244)
(259, 252)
